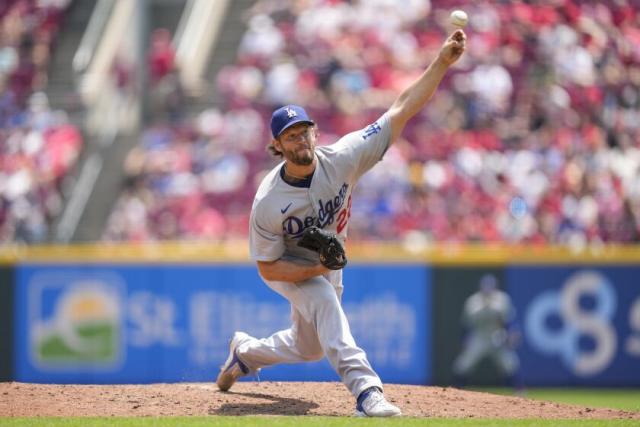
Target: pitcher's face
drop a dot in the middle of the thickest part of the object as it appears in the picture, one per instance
(298, 143)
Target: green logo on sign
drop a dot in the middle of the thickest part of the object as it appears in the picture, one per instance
(84, 325)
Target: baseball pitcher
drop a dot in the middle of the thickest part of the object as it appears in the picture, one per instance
(298, 227)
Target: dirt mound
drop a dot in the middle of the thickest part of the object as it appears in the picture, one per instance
(271, 398)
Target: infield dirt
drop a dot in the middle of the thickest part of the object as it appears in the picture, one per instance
(272, 398)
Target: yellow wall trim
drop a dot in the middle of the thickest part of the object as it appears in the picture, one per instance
(238, 252)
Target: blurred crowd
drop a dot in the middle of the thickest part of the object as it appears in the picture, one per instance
(190, 181)
(38, 146)
(534, 136)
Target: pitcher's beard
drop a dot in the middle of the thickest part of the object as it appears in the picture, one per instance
(300, 159)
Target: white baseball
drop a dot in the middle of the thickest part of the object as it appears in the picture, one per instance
(459, 18)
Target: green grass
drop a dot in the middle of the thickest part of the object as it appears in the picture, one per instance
(626, 399)
(300, 421)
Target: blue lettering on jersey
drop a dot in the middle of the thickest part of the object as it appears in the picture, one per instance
(327, 211)
(372, 129)
(292, 225)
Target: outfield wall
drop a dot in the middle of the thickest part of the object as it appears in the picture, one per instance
(6, 323)
(140, 314)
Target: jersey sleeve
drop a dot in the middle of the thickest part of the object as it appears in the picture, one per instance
(366, 147)
(266, 242)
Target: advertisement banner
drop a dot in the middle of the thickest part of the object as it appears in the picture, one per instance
(581, 325)
(168, 323)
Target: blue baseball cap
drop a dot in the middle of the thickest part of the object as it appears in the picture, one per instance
(287, 116)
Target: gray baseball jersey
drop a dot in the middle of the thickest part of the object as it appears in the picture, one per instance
(281, 211)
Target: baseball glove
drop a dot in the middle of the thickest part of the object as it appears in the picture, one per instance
(331, 252)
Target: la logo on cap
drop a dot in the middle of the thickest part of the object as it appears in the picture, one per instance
(286, 116)
(290, 112)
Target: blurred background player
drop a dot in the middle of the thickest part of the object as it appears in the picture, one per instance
(488, 317)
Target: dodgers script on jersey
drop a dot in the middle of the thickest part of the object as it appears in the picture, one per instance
(282, 211)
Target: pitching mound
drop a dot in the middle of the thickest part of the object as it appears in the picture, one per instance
(270, 398)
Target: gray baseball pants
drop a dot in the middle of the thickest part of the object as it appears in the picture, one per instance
(320, 328)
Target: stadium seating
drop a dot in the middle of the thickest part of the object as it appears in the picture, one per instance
(534, 136)
(38, 146)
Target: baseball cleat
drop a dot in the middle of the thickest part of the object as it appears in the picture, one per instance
(372, 403)
(233, 368)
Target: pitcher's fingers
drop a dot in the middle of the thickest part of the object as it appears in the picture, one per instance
(459, 35)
